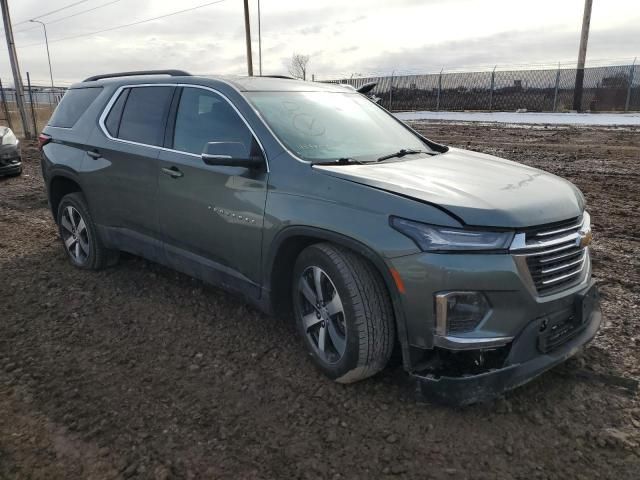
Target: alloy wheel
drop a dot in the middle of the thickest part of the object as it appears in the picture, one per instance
(323, 316)
(75, 235)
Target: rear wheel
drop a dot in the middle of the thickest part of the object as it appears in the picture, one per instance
(79, 234)
(343, 312)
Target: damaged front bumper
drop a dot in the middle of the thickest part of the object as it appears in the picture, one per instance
(543, 344)
(10, 160)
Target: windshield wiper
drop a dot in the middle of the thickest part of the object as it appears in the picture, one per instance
(340, 161)
(399, 154)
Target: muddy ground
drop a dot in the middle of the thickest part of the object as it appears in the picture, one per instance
(140, 372)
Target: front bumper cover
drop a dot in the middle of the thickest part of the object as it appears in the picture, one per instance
(524, 363)
(10, 169)
(10, 160)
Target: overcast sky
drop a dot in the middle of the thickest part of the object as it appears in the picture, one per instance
(342, 37)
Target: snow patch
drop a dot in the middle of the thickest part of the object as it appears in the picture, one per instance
(608, 119)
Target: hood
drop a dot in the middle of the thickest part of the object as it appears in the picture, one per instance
(479, 189)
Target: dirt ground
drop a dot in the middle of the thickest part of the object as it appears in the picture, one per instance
(140, 372)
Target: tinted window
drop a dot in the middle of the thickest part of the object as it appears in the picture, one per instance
(74, 103)
(203, 117)
(112, 121)
(144, 114)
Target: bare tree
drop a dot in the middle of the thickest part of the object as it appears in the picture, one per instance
(298, 66)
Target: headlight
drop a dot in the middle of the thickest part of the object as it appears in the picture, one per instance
(8, 138)
(432, 238)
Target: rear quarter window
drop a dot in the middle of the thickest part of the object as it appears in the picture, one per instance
(112, 122)
(74, 103)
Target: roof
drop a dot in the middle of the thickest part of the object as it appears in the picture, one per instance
(242, 83)
(260, 84)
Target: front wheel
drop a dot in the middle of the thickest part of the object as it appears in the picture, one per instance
(343, 312)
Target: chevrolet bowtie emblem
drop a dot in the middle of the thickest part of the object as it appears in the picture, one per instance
(585, 238)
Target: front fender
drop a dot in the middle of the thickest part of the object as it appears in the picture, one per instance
(358, 247)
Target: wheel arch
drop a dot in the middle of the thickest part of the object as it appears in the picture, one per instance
(286, 247)
(59, 185)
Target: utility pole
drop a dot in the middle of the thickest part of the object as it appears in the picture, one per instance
(15, 67)
(46, 42)
(631, 70)
(493, 86)
(582, 55)
(259, 41)
(33, 109)
(247, 31)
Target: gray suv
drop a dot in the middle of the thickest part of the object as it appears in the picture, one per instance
(310, 200)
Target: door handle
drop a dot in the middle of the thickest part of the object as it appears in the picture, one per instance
(173, 172)
(94, 154)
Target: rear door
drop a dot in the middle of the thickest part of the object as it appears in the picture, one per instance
(211, 216)
(122, 170)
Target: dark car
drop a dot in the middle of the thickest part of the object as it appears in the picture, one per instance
(311, 199)
(10, 159)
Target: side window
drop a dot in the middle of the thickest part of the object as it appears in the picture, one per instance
(74, 103)
(144, 115)
(112, 122)
(203, 117)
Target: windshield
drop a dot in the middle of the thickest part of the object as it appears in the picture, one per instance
(324, 126)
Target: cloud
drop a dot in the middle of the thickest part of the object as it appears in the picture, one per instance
(500, 49)
(341, 37)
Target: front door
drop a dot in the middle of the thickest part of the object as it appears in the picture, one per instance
(211, 216)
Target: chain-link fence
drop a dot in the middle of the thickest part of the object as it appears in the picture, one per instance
(605, 89)
(40, 102)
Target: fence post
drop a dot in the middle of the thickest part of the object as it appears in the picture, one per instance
(631, 70)
(391, 92)
(5, 107)
(33, 111)
(493, 83)
(439, 90)
(555, 92)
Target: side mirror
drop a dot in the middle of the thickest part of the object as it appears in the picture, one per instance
(230, 154)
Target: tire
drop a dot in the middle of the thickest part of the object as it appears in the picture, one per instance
(358, 341)
(79, 235)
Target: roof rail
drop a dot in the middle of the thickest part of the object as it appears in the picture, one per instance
(277, 76)
(172, 73)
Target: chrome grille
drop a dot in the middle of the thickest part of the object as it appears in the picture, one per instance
(553, 253)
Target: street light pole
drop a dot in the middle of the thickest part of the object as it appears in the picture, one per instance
(46, 42)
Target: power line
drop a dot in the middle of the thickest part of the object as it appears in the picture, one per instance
(52, 12)
(83, 11)
(72, 15)
(127, 24)
(26, 29)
